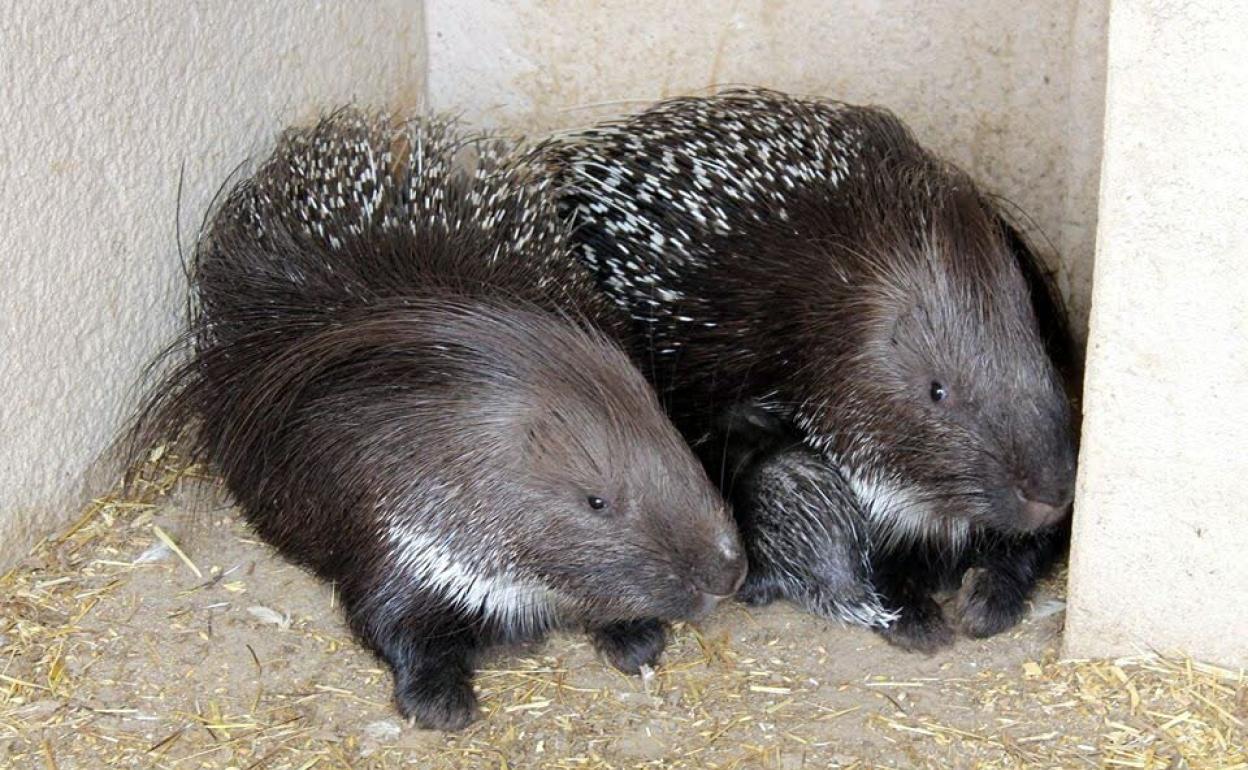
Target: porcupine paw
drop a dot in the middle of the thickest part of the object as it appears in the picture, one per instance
(759, 590)
(631, 644)
(436, 699)
(988, 604)
(919, 628)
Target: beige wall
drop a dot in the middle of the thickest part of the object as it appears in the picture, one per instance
(101, 108)
(1161, 541)
(1011, 90)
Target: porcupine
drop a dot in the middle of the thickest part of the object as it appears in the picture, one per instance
(410, 388)
(809, 261)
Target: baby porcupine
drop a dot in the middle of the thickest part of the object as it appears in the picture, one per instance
(410, 388)
(809, 261)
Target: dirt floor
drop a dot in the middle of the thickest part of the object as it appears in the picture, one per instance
(152, 635)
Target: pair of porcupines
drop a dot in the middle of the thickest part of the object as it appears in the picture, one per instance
(401, 367)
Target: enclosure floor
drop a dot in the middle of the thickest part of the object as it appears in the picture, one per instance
(114, 651)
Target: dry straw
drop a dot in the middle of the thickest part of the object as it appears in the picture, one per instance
(71, 613)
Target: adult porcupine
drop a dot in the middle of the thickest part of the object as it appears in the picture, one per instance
(407, 385)
(810, 259)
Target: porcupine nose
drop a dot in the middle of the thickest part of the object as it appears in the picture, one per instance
(1041, 511)
(723, 573)
(1045, 494)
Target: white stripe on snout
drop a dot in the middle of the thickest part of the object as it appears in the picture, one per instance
(728, 547)
(432, 564)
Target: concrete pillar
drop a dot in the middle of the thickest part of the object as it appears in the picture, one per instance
(1160, 556)
(103, 105)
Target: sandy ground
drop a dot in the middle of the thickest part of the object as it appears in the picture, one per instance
(116, 651)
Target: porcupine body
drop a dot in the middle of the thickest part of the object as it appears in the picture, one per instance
(809, 260)
(409, 388)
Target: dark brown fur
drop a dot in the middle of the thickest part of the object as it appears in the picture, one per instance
(812, 261)
(409, 388)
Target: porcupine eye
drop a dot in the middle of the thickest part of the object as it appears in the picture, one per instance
(938, 392)
(597, 503)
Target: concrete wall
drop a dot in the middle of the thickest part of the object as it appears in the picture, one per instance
(102, 106)
(1012, 91)
(1160, 555)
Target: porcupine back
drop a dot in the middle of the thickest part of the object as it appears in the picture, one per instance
(359, 216)
(676, 209)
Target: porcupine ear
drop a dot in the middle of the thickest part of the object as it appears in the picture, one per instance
(1046, 300)
(1049, 307)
